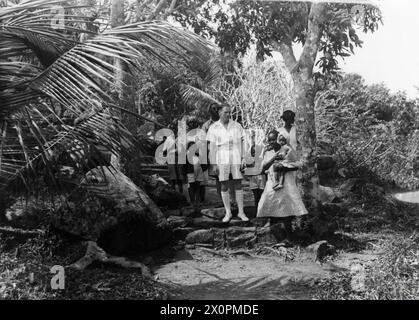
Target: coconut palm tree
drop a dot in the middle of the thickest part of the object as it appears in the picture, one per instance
(57, 92)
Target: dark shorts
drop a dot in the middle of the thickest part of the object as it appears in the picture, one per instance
(177, 172)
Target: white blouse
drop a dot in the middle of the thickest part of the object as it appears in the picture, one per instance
(290, 136)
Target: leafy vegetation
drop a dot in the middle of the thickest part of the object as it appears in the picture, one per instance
(370, 131)
(62, 110)
(58, 93)
(25, 274)
(393, 276)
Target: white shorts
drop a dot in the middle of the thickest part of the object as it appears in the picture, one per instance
(257, 182)
(197, 175)
(226, 169)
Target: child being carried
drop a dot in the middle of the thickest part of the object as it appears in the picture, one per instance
(278, 143)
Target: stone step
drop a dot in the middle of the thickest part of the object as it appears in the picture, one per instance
(235, 236)
(204, 222)
(208, 211)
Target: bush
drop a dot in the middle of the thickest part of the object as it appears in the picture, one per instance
(393, 276)
(366, 127)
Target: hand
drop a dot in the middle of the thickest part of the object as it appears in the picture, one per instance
(279, 156)
(243, 166)
(279, 165)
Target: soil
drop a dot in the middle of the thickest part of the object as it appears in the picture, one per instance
(202, 275)
(274, 272)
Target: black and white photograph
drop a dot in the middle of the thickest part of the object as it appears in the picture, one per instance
(206, 156)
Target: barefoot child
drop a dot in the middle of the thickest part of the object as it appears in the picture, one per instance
(279, 145)
(280, 166)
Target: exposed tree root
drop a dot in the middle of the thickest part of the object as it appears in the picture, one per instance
(96, 253)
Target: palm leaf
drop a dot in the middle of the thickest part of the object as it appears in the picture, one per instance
(47, 74)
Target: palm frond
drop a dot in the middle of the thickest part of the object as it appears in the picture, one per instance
(195, 97)
(57, 92)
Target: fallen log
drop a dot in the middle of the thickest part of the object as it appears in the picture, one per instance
(21, 232)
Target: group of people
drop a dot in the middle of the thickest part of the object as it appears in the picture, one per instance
(272, 179)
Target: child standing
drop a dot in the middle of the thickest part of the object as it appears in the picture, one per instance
(195, 176)
(177, 174)
(194, 169)
(253, 171)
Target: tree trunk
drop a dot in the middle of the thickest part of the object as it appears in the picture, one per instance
(302, 73)
(123, 81)
(306, 135)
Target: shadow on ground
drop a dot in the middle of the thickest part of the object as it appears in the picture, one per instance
(245, 288)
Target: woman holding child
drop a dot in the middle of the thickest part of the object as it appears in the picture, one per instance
(281, 197)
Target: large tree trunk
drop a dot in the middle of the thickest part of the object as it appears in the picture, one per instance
(123, 81)
(306, 132)
(302, 73)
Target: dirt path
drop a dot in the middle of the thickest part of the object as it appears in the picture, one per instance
(203, 274)
(412, 197)
(197, 274)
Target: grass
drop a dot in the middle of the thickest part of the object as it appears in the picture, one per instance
(393, 276)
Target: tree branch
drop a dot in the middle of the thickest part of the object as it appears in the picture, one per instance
(314, 32)
(287, 53)
(169, 10)
(157, 10)
(21, 232)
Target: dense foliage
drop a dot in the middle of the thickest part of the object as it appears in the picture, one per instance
(235, 25)
(58, 88)
(394, 276)
(370, 130)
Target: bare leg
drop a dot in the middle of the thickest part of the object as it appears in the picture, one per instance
(192, 192)
(202, 193)
(232, 193)
(257, 193)
(180, 186)
(281, 177)
(197, 192)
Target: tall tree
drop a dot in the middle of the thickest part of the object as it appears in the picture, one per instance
(122, 80)
(325, 31)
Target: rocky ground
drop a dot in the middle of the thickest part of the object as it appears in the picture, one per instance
(211, 260)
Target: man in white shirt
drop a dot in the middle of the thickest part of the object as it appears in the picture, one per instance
(213, 110)
(226, 139)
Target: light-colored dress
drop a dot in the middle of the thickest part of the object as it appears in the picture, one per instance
(284, 202)
(290, 136)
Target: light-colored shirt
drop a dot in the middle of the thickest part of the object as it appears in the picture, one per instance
(227, 142)
(207, 125)
(169, 145)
